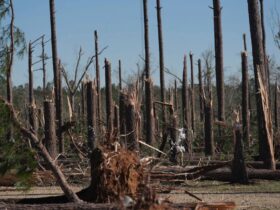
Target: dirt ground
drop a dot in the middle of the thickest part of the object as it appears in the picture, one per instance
(261, 195)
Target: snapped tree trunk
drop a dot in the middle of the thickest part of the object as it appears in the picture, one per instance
(57, 77)
(50, 135)
(97, 77)
(238, 171)
(91, 118)
(192, 94)
(276, 107)
(219, 60)
(175, 96)
(245, 99)
(185, 107)
(200, 83)
(32, 107)
(161, 63)
(131, 126)
(109, 103)
(265, 133)
(149, 124)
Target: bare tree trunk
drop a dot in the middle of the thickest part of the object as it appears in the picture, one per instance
(208, 124)
(185, 106)
(201, 104)
(245, 100)
(244, 42)
(91, 115)
(99, 101)
(120, 75)
(238, 171)
(175, 96)
(11, 56)
(148, 81)
(192, 94)
(116, 120)
(264, 50)
(131, 127)
(109, 103)
(32, 107)
(219, 60)
(265, 143)
(173, 135)
(161, 63)
(276, 107)
(44, 68)
(50, 135)
(56, 73)
(122, 115)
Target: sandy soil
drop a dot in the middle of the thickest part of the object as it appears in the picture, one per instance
(258, 196)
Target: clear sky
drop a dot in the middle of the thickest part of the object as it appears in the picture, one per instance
(187, 26)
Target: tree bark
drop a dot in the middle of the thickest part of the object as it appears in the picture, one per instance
(149, 127)
(131, 127)
(97, 75)
(244, 42)
(219, 60)
(201, 104)
(175, 96)
(192, 94)
(161, 63)
(265, 143)
(120, 75)
(57, 77)
(276, 107)
(238, 171)
(109, 103)
(185, 106)
(245, 100)
(32, 107)
(91, 115)
(50, 135)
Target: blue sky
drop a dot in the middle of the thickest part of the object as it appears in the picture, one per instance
(187, 26)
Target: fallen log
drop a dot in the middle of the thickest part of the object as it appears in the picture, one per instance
(225, 174)
(115, 206)
(250, 164)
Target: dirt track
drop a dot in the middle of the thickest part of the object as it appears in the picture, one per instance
(259, 196)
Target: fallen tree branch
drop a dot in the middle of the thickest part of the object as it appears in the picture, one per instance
(71, 196)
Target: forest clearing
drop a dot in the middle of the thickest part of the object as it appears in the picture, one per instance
(81, 140)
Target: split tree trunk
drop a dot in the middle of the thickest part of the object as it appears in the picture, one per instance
(161, 64)
(91, 115)
(44, 68)
(185, 107)
(57, 77)
(238, 171)
(219, 60)
(149, 127)
(97, 75)
(200, 83)
(109, 103)
(32, 107)
(175, 96)
(245, 100)
(50, 135)
(276, 107)
(265, 133)
(244, 42)
(131, 126)
(192, 94)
